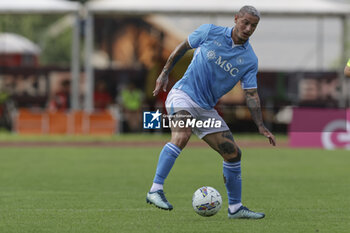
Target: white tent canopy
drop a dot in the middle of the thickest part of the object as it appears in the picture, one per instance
(43, 7)
(266, 7)
(278, 8)
(38, 6)
(13, 43)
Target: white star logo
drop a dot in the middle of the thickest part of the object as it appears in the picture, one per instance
(156, 115)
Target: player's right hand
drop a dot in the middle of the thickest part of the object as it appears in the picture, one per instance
(264, 131)
(161, 83)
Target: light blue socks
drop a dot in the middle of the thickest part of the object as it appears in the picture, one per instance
(166, 161)
(233, 181)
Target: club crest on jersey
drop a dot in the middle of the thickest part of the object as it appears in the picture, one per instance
(211, 54)
(240, 60)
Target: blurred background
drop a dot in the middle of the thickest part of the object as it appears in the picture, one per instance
(89, 67)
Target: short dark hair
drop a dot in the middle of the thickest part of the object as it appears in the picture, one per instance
(250, 10)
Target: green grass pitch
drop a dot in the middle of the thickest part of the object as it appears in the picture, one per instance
(102, 190)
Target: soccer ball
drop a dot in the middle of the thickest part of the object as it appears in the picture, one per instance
(206, 201)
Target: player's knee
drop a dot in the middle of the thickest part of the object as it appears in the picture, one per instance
(180, 139)
(236, 157)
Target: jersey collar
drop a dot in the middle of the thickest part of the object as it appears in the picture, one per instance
(229, 33)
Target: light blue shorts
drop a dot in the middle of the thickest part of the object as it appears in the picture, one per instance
(205, 121)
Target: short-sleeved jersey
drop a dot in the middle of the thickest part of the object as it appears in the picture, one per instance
(217, 65)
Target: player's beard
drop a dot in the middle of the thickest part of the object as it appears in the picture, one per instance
(242, 39)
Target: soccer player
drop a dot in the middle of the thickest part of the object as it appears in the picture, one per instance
(347, 69)
(223, 56)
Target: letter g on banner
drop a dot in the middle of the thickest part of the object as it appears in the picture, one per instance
(336, 134)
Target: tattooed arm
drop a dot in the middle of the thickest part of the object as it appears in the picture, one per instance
(162, 80)
(253, 103)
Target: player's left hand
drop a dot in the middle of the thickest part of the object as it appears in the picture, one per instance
(268, 134)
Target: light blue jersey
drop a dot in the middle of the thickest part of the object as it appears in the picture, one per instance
(217, 65)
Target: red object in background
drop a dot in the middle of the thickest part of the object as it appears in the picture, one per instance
(10, 60)
(161, 98)
(102, 100)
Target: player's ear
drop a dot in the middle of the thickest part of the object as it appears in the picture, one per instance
(236, 18)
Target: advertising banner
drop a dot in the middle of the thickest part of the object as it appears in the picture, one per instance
(320, 128)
